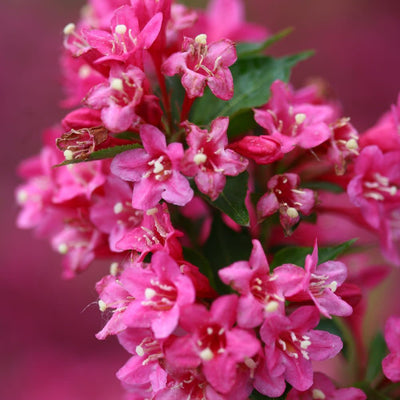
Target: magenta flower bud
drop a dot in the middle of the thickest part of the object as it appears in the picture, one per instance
(262, 149)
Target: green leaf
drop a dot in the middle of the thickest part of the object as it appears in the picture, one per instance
(244, 49)
(241, 122)
(323, 185)
(377, 352)
(372, 394)
(224, 247)
(231, 200)
(297, 255)
(127, 135)
(255, 395)
(110, 152)
(336, 327)
(252, 77)
(196, 258)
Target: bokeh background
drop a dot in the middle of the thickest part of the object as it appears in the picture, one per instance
(47, 325)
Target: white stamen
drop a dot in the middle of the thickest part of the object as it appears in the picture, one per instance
(62, 248)
(152, 211)
(22, 196)
(250, 363)
(383, 180)
(209, 331)
(69, 29)
(117, 84)
(121, 29)
(200, 158)
(139, 351)
(352, 145)
(318, 394)
(375, 196)
(118, 208)
(114, 268)
(292, 212)
(84, 71)
(201, 39)
(305, 354)
(102, 306)
(68, 154)
(158, 167)
(206, 354)
(300, 118)
(333, 286)
(149, 293)
(304, 344)
(271, 306)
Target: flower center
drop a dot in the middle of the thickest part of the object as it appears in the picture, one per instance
(379, 188)
(294, 345)
(160, 296)
(212, 341)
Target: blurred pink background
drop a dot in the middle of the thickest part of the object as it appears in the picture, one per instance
(47, 344)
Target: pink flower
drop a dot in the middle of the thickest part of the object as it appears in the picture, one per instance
(119, 98)
(207, 158)
(391, 363)
(113, 213)
(320, 283)
(154, 233)
(143, 367)
(235, 26)
(202, 64)
(287, 198)
(294, 123)
(261, 293)
(159, 292)
(78, 181)
(213, 343)
(385, 133)
(343, 146)
(126, 37)
(80, 242)
(113, 296)
(290, 346)
(375, 184)
(323, 388)
(155, 169)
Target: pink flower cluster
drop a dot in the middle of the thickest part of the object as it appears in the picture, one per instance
(140, 177)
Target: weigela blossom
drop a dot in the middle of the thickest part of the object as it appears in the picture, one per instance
(155, 232)
(385, 133)
(143, 367)
(155, 169)
(391, 363)
(234, 26)
(208, 159)
(324, 389)
(202, 64)
(213, 342)
(290, 346)
(159, 292)
(293, 123)
(113, 214)
(320, 283)
(126, 37)
(177, 258)
(374, 189)
(262, 292)
(119, 98)
(286, 197)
